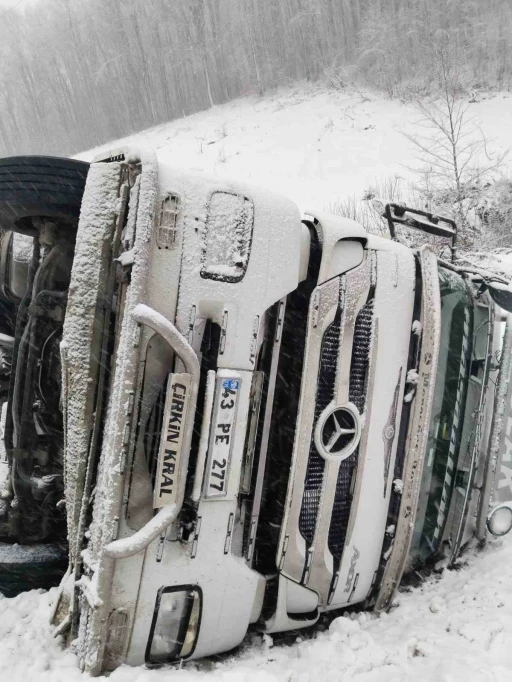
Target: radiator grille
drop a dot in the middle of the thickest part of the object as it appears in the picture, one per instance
(357, 395)
(324, 395)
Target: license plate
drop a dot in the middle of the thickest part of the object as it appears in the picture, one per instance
(171, 441)
(221, 440)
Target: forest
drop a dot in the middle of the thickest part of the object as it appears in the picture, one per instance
(75, 74)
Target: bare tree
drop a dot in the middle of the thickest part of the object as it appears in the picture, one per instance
(368, 210)
(75, 74)
(453, 151)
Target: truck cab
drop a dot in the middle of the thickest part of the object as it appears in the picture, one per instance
(265, 417)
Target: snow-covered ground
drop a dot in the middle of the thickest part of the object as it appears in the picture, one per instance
(311, 144)
(453, 629)
(316, 146)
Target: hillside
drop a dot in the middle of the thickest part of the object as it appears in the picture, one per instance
(313, 144)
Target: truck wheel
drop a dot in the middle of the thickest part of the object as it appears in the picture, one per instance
(40, 186)
(30, 567)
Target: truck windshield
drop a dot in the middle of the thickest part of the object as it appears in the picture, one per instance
(445, 428)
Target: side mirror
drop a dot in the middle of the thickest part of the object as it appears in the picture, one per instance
(501, 294)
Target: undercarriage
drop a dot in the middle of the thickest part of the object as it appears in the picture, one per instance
(40, 200)
(31, 508)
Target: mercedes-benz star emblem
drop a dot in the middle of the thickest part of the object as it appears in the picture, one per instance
(338, 432)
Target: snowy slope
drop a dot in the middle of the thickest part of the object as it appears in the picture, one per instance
(311, 144)
(316, 146)
(454, 629)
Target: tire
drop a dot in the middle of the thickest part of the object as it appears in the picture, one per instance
(40, 186)
(30, 567)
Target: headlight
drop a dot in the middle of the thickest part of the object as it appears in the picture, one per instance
(499, 519)
(175, 624)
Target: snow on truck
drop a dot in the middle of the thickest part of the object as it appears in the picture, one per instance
(244, 419)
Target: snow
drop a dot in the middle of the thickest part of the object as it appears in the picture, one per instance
(417, 327)
(412, 376)
(311, 144)
(498, 261)
(450, 629)
(409, 396)
(228, 235)
(126, 258)
(19, 554)
(314, 146)
(22, 247)
(398, 485)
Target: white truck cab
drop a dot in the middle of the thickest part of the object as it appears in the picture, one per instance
(248, 402)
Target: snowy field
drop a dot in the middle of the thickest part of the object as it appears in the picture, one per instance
(453, 629)
(311, 144)
(316, 146)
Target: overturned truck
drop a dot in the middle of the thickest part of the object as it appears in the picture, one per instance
(261, 419)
